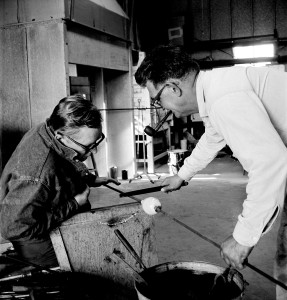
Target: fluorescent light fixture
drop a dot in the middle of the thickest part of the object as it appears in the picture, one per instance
(256, 51)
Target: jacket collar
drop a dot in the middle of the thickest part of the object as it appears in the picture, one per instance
(48, 134)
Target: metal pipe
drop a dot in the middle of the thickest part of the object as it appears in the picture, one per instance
(128, 108)
(130, 248)
(28, 263)
(197, 45)
(230, 62)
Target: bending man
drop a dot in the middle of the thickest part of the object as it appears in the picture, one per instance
(245, 108)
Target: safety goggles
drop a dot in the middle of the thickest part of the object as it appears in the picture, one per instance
(90, 147)
(155, 101)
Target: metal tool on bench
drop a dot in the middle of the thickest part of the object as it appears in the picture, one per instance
(8, 254)
(131, 250)
(146, 190)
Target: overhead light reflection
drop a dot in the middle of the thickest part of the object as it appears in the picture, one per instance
(204, 178)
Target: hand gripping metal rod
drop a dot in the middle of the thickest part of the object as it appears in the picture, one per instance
(159, 210)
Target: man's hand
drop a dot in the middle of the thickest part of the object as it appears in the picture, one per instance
(172, 183)
(82, 198)
(233, 253)
(105, 180)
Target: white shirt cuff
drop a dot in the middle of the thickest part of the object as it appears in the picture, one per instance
(245, 236)
(185, 174)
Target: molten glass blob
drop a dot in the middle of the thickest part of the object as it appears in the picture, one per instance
(150, 205)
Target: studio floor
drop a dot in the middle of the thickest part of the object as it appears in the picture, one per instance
(210, 205)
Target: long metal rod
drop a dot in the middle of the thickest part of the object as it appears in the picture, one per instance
(136, 274)
(128, 108)
(218, 246)
(28, 263)
(121, 192)
(130, 248)
(27, 274)
(154, 189)
(159, 210)
(142, 191)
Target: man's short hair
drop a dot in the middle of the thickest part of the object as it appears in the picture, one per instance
(165, 62)
(73, 112)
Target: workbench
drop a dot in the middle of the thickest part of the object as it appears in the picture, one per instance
(85, 243)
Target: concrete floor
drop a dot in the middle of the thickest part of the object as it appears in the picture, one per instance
(210, 205)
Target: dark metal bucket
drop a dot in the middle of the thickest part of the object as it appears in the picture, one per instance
(188, 280)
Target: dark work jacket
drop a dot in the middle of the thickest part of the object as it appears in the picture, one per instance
(38, 185)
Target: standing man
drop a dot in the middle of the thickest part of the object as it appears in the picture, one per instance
(46, 182)
(245, 108)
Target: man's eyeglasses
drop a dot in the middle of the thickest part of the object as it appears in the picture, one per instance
(155, 101)
(90, 147)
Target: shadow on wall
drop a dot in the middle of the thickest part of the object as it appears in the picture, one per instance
(10, 140)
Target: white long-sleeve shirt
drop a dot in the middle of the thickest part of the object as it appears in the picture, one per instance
(246, 108)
